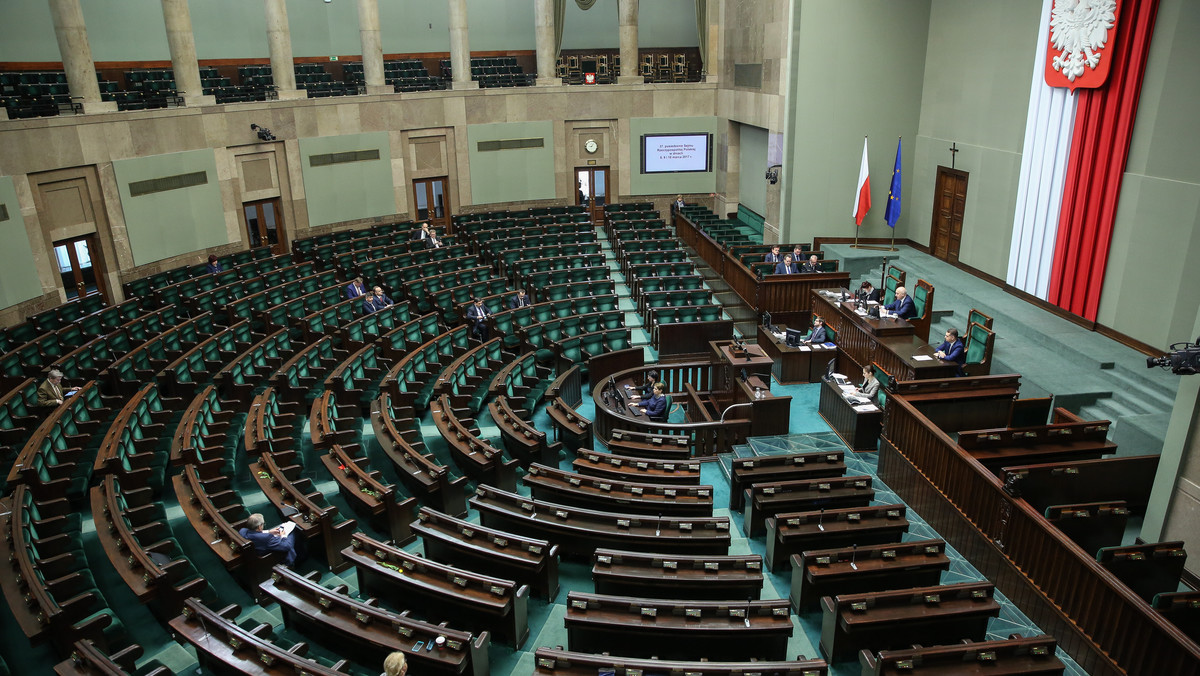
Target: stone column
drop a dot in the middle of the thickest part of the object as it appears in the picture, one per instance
(183, 53)
(372, 47)
(712, 62)
(279, 40)
(460, 47)
(77, 56)
(543, 21)
(627, 11)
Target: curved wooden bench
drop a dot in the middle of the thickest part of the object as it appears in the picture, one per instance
(625, 573)
(559, 486)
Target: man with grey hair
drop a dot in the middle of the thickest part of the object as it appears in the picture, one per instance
(275, 540)
(50, 392)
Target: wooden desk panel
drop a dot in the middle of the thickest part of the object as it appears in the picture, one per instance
(859, 430)
(886, 342)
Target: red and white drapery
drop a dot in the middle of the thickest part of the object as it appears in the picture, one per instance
(1072, 165)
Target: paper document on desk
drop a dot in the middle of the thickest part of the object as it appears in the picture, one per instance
(922, 357)
(804, 348)
(288, 527)
(865, 408)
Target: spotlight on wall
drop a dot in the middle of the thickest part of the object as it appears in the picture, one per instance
(264, 134)
(773, 174)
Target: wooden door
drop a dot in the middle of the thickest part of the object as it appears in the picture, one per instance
(591, 189)
(264, 225)
(949, 202)
(80, 267)
(429, 195)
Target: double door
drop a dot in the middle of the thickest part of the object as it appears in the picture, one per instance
(429, 196)
(80, 267)
(591, 190)
(264, 224)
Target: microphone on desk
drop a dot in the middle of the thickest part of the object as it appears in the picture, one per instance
(820, 521)
(853, 555)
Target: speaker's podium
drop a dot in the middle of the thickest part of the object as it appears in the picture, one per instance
(742, 378)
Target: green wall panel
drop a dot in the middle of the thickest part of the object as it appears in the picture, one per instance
(18, 276)
(172, 222)
(349, 191)
(661, 23)
(27, 31)
(1151, 277)
(496, 26)
(752, 165)
(663, 184)
(841, 90)
(510, 175)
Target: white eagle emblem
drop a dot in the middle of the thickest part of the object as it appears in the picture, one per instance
(1078, 30)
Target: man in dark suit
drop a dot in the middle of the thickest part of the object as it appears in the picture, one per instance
(433, 241)
(270, 541)
(903, 305)
(477, 315)
(381, 300)
(817, 334)
(813, 264)
(423, 233)
(356, 288)
(797, 254)
(519, 300)
(774, 256)
(952, 350)
(787, 267)
(868, 292)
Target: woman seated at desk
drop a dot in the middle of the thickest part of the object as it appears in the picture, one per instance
(870, 385)
(656, 406)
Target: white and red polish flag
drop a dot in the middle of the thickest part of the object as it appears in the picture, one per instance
(862, 196)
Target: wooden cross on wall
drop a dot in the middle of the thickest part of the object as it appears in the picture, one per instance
(953, 154)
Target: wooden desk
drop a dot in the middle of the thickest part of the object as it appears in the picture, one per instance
(753, 359)
(857, 569)
(737, 576)
(761, 469)
(891, 343)
(792, 364)
(892, 620)
(859, 430)
(642, 627)
(1028, 656)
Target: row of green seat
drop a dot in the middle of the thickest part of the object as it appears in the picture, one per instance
(368, 263)
(136, 446)
(144, 286)
(522, 381)
(466, 378)
(44, 549)
(578, 349)
(521, 269)
(507, 323)
(203, 437)
(545, 224)
(216, 299)
(665, 256)
(493, 241)
(410, 381)
(421, 291)
(305, 247)
(238, 379)
(183, 376)
(538, 336)
(143, 359)
(55, 461)
(392, 277)
(627, 206)
(626, 247)
(355, 381)
(647, 285)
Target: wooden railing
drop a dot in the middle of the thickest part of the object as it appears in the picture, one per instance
(1099, 621)
(781, 295)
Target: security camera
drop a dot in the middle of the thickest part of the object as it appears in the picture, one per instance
(264, 134)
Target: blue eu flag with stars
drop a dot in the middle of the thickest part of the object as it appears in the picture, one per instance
(891, 213)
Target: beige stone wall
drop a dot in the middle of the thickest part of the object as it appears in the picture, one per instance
(753, 32)
(428, 138)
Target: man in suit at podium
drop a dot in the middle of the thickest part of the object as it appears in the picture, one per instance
(787, 267)
(903, 305)
(519, 300)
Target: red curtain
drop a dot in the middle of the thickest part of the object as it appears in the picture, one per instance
(1104, 120)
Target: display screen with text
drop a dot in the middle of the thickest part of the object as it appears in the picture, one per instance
(667, 153)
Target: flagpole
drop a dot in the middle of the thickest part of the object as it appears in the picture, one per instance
(889, 218)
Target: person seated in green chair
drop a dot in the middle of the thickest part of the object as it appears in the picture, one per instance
(656, 406)
(818, 334)
(952, 350)
(870, 384)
